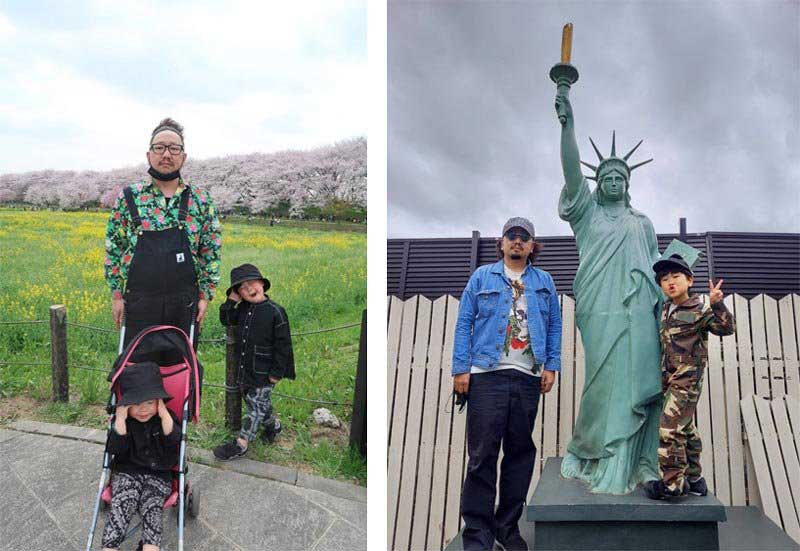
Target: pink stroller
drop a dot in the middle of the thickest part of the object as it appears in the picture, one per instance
(172, 349)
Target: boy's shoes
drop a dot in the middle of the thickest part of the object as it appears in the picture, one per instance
(698, 487)
(271, 433)
(655, 489)
(512, 542)
(229, 450)
(652, 489)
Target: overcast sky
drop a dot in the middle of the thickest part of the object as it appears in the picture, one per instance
(83, 83)
(713, 88)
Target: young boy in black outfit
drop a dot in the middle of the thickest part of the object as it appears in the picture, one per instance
(264, 353)
(145, 442)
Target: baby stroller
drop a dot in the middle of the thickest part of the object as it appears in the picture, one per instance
(173, 351)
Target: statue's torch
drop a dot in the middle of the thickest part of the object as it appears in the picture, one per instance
(564, 74)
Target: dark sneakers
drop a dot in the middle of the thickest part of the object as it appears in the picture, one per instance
(698, 487)
(512, 542)
(655, 489)
(271, 433)
(229, 450)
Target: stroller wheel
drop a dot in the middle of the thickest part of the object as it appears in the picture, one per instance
(193, 503)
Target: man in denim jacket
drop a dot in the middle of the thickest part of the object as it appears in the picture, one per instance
(507, 350)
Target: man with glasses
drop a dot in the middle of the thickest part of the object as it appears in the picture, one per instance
(506, 352)
(163, 243)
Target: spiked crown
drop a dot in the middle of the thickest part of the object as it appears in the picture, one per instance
(613, 162)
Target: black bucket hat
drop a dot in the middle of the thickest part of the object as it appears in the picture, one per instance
(243, 273)
(141, 382)
(674, 263)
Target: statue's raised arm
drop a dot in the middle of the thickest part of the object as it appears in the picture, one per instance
(570, 157)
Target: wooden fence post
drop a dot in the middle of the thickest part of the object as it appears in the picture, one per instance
(358, 423)
(58, 352)
(233, 397)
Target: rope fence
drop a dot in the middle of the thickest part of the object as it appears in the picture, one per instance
(219, 340)
(223, 340)
(205, 384)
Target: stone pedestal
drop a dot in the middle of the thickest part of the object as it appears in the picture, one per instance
(567, 516)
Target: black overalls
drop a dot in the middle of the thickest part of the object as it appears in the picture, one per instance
(162, 283)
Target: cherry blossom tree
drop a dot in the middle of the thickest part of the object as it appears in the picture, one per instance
(290, 181)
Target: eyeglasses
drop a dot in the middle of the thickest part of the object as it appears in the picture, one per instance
(512, 235)
(160, 148)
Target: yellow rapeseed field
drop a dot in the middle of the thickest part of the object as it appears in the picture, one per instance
(57, 258)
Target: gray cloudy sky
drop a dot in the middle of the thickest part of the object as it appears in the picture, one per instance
(713, 88)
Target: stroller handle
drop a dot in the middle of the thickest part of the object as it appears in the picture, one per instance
(121, 346)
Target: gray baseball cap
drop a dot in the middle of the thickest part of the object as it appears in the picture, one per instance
(519, 222)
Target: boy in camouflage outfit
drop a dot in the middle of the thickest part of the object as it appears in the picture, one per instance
(685, 324)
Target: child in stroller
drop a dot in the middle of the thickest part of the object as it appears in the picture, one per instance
(173, 384)
(145, 444)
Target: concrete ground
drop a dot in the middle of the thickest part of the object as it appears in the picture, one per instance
(49, 476)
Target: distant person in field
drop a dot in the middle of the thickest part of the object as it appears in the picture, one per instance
(163, 242)
(263, 353)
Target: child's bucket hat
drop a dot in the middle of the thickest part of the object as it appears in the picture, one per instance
(243, 273)
(141, 382)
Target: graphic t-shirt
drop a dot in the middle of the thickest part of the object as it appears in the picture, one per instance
(517, 353)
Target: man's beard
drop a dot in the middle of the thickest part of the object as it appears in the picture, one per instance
(515, 256)
(164, 176)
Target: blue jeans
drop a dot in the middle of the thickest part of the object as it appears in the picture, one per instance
(502, 408)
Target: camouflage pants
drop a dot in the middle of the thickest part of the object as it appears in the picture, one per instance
(679, 442)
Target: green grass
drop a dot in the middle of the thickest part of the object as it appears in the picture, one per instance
(318, 276)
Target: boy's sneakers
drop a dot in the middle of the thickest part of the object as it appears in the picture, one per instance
(229, 450)
(652, 488)
(698, 487)
(271, 433)
(655, 489)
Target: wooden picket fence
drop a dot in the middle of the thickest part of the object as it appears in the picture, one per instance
(427, 451)
(773, 433)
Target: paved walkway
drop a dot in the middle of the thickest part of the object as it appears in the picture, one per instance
(49, 476)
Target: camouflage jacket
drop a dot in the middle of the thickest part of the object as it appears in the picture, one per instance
(684, 333)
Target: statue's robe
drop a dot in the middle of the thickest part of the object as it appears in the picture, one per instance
(615, 439)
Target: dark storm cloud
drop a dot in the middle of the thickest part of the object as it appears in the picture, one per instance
(711, 87)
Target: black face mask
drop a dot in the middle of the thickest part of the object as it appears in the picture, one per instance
(163, 176)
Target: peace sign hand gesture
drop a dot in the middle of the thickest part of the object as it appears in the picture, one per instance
(714, 291)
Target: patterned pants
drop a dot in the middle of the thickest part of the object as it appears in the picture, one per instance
(259, 411)
(131, 493)
(679, 442)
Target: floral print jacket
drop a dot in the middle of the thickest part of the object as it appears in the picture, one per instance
(202, 228)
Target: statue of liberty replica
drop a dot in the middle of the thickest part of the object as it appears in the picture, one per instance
(615, 438)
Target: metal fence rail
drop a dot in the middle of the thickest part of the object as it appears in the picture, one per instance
(750, 263)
